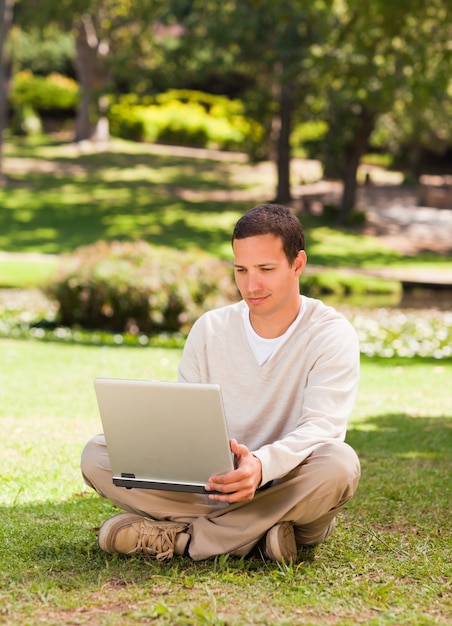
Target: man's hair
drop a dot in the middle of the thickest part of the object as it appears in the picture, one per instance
(276, 220)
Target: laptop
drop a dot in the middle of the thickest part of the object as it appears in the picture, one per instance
(163, 435)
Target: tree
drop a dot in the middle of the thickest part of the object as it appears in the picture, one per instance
(93, 78)
(360, 63)
(420, 119)
(6, 17)
(106, 33)
(378, 53)
(265, 41)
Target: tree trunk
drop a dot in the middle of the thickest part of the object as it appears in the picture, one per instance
(352, 157)
(283, 151)
(6, 17)
(92, 78)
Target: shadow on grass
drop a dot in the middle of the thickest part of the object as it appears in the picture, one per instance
(55, 544)
(402, 436)
(118, 196)
(344, 247)
(406, 467)
(144, 196)
(65, 214)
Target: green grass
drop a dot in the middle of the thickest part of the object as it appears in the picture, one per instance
(127, 193)
(24, 273)
(59, 198)
(388, 563)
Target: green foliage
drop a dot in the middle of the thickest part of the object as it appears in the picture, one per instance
(137, 288)
(43, 51)
(384, 159)
(44, 93)
(32, 96)
(384, 332)
(382, 79)
(306, 134)
(127, 120)
(185, 117)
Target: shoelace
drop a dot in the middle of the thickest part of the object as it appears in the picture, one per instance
(158, 540)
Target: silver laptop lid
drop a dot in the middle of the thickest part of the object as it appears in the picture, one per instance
(163, 435)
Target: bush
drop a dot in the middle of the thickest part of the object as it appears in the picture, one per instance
(44, 93)
(133, 287)
(186, 118)
(306, 135)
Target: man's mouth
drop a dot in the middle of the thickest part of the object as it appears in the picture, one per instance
(256, 299)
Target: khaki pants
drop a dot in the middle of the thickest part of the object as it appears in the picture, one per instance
(310, 497)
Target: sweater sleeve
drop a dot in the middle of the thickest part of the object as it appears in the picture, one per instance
(189, 370)
(327, 402)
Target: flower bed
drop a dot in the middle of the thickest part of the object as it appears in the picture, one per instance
(399, 333)
(382, 332)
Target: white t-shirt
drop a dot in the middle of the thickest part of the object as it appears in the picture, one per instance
(262, 347)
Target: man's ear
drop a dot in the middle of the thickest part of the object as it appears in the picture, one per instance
(300, 262)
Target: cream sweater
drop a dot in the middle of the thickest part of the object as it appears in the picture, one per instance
(300, 398)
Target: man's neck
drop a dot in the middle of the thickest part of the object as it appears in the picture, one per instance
(270, 327)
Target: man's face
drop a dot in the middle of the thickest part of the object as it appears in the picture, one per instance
(266, 281)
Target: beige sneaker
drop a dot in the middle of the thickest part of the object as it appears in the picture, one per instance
(279, 543)
(128, 533)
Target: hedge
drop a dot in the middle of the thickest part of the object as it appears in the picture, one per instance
(136, 288)
(44, 93)
(185, 117)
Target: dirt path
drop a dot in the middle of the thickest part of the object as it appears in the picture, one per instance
(393, 215)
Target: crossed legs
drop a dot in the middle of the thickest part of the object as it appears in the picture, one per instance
(309, 497)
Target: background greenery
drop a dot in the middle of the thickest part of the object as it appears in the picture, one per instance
(361, 75)
(60, 197)
(132, 286)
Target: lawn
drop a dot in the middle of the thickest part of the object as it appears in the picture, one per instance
(60, 197)
(388, 563)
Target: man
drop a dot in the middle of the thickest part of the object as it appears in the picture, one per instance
(288, 367)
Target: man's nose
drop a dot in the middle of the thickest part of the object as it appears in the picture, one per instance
(253, 282)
